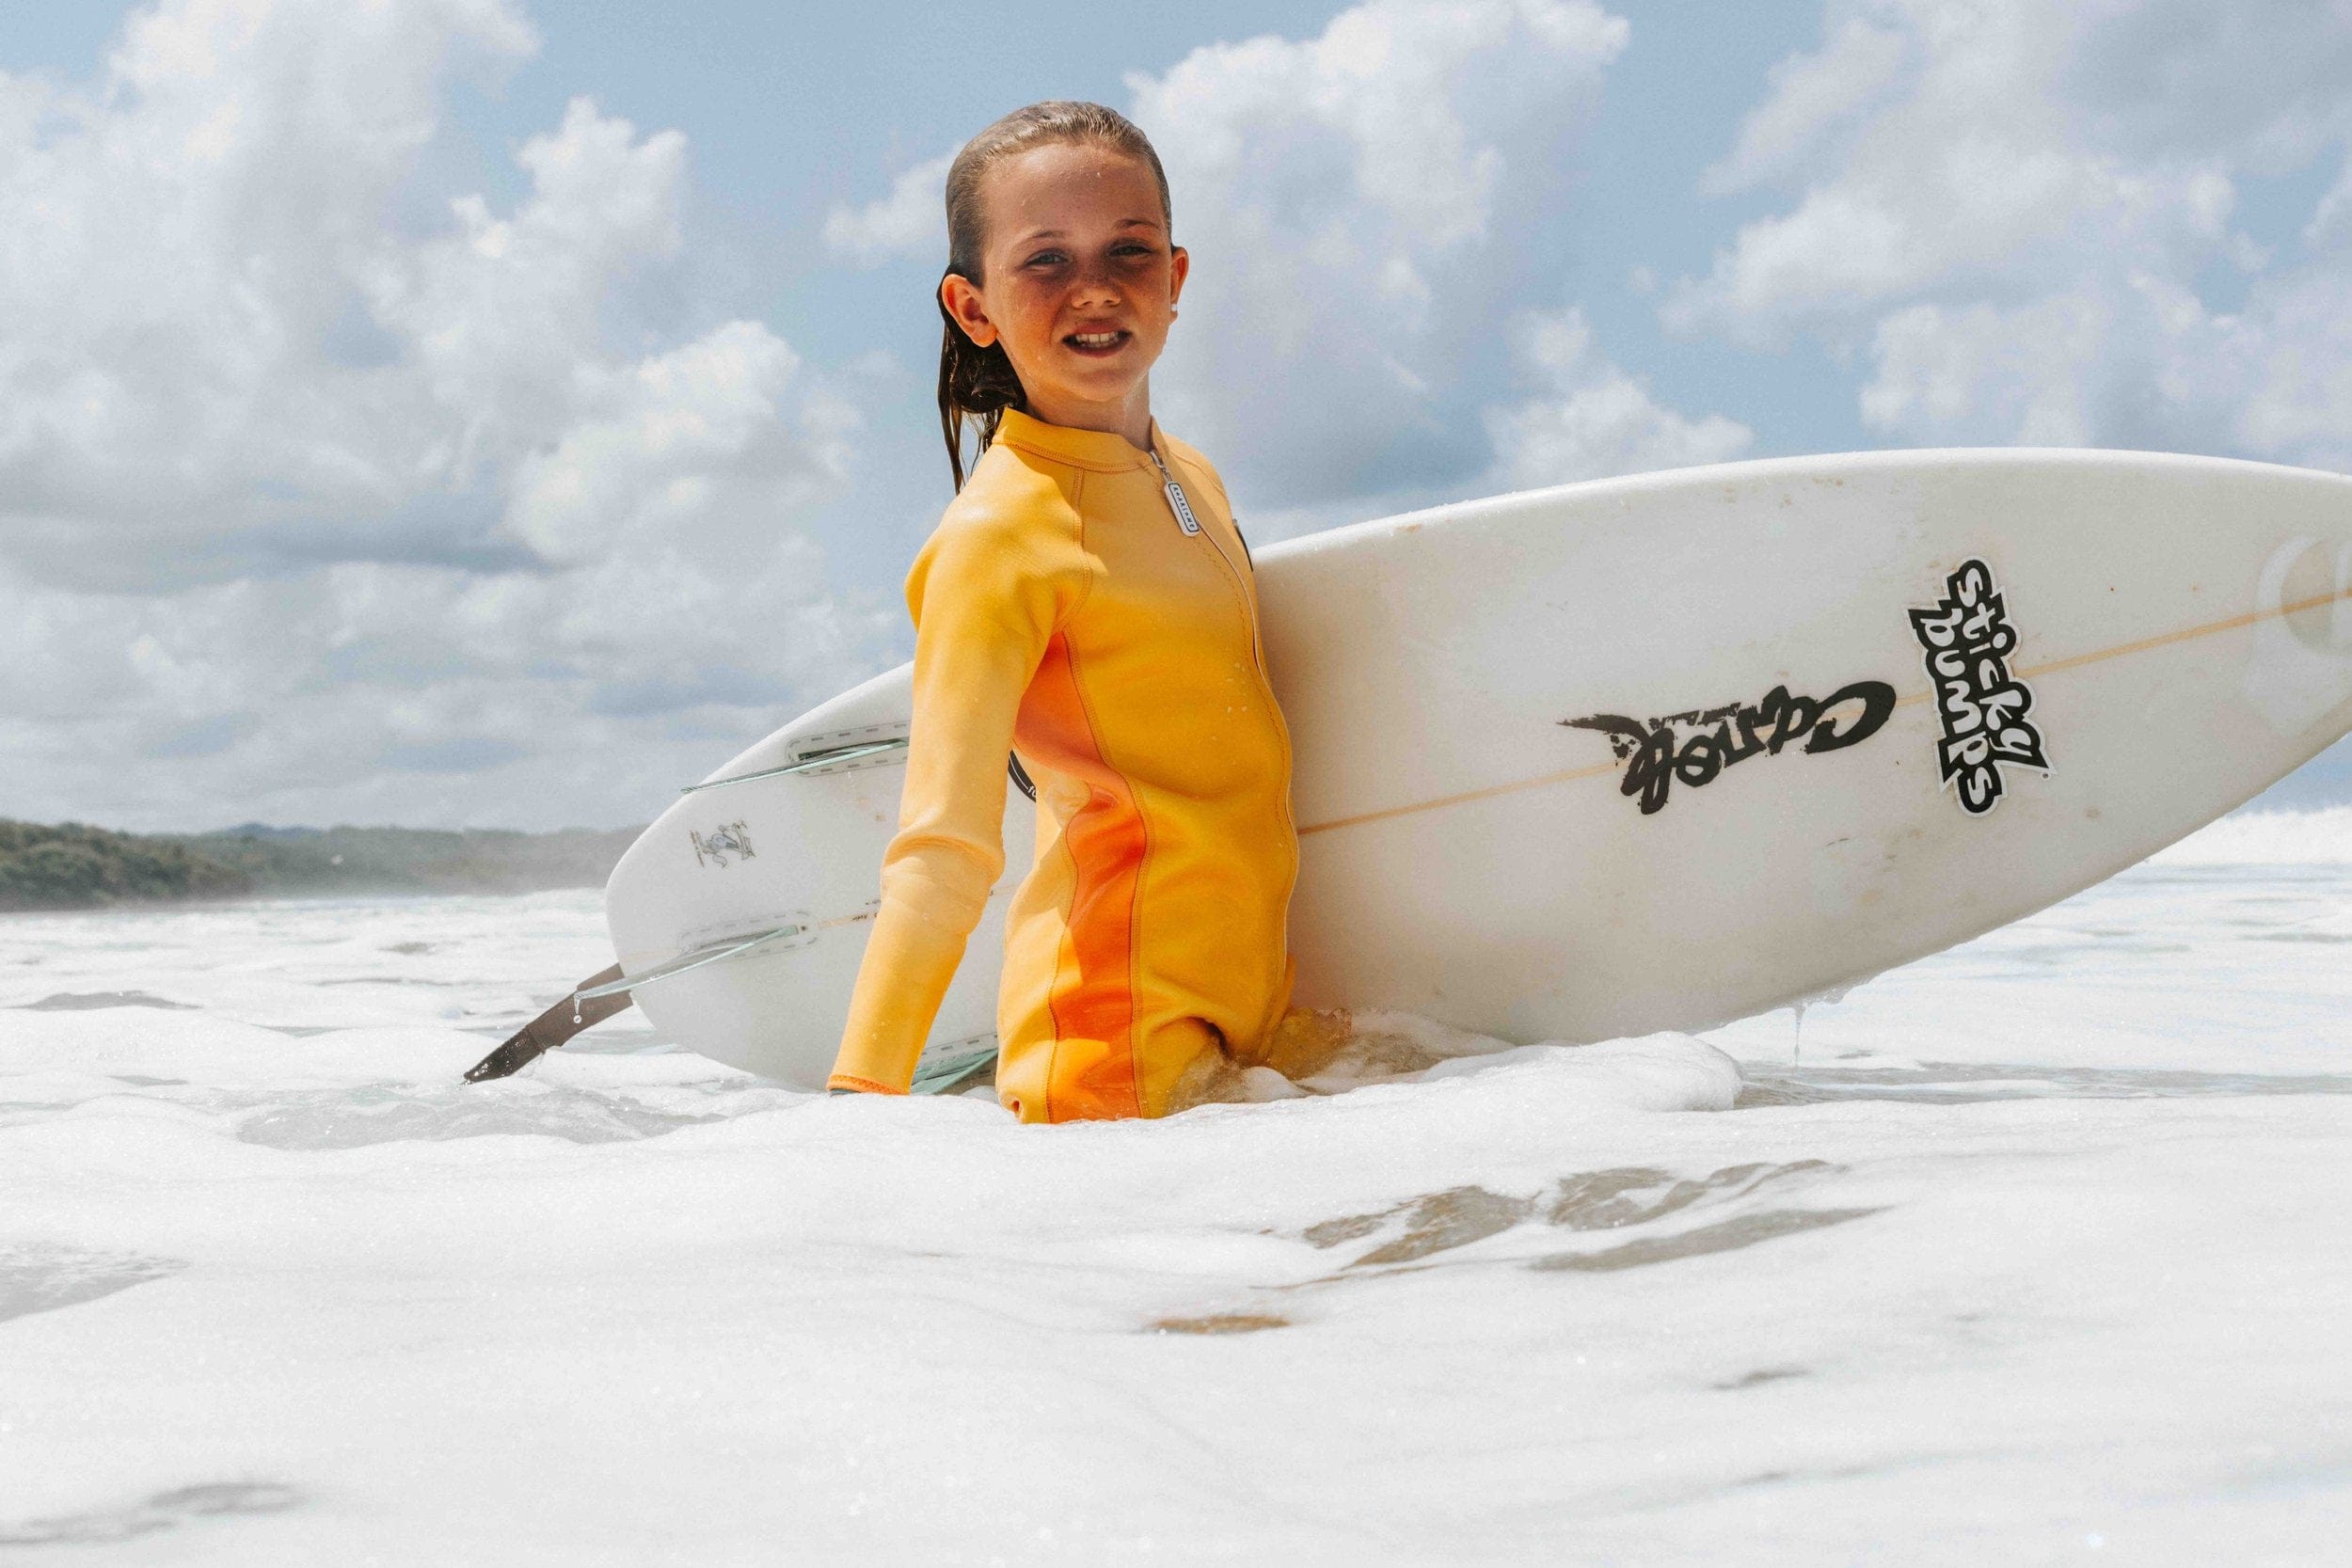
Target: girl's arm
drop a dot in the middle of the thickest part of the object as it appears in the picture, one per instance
(987, 592)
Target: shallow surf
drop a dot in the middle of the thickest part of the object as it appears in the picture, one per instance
(2028, 1249)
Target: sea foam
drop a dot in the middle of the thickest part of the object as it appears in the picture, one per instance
(2031, 1248)
(2320, 837)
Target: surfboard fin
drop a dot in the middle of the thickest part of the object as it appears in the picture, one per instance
(551, 1028)
(955, 1072)
(578, 1011)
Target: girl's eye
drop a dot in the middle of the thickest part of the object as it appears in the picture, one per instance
(1044, 259)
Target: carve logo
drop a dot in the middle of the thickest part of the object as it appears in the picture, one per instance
(727, 838)
(1696, 747)
(1981, 706)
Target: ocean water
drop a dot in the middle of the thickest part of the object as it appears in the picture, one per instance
(2035, 1251)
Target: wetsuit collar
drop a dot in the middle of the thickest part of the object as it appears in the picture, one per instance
(1099, 449)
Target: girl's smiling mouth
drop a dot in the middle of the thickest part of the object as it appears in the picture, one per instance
(1102, 344)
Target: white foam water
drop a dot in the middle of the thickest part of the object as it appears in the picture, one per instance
(2037, 1253)
(2322, 837)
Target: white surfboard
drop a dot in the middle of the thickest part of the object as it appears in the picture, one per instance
(1636, 755)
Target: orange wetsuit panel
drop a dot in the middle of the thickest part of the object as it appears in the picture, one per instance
(1062, 610)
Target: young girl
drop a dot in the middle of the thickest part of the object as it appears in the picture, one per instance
(1085, 609)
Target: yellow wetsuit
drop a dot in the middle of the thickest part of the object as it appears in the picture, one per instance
(1064, 611)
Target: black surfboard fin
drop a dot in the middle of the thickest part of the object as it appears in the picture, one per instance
(550, 1029)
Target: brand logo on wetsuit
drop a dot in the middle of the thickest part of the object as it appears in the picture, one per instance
(727, 838)
(1696, 747)
(1183, 508)
(1176, 501)
(1981, 706)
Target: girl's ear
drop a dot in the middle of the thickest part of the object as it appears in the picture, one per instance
(1179, 268)
(966, 309)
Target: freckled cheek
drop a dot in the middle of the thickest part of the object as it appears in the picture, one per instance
(1029, 336)
(1034, 317)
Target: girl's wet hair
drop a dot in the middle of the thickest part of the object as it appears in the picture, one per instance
(976, 383)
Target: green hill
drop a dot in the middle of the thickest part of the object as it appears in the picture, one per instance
(72, 865)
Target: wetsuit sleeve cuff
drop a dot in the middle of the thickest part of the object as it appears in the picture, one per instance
(908, 962)
(842, 1083)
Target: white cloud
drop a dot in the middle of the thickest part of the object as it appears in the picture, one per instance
(2027, 216)
(2289, 356)
(1351, 201)
(1361, 207)
(691, 451)
(1811, 95)
(911, 221)
(2331, 220)
(182, 237)
(311, 506)
(422, 693)
(1987, 373)
(1594, 419)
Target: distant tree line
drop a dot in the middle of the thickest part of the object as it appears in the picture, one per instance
(71, 865)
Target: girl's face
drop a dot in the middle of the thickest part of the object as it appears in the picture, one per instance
(1081, 283)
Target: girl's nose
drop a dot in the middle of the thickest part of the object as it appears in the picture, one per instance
(1095, 286)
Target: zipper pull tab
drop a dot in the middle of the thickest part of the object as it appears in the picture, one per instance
(1176, 501)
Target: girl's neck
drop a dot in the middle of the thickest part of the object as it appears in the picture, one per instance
(1130, 418)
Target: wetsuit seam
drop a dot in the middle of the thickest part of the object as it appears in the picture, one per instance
(1078, 874)
(1135, 895)
(1069, 925)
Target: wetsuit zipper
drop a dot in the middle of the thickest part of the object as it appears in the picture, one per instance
(1185, 519)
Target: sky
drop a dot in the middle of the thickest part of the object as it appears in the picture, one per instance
(460, 413)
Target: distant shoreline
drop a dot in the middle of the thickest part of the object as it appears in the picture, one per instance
(72, 865)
